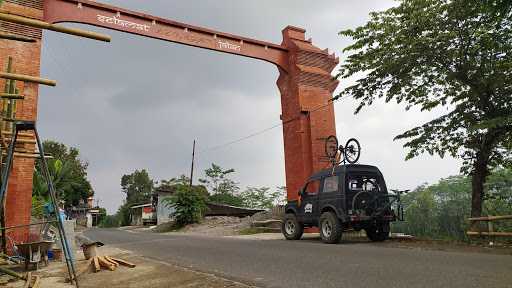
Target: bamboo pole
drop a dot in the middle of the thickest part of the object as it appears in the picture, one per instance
(16, 37)
(498, 234)
(26, 78)
(12, 96)
(491, 218)
(44, 25)
(20, 134)
(24, 141)
(27, 155)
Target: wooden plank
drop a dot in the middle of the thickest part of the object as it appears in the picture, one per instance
(497, 234)
(490, 218)
(123, 262)
(106, 264)
(37, 282)
(12, 273)
(111, 261)
(97, 267)
(28, 281)
(20, 134)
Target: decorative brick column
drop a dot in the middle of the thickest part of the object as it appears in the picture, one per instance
(26, 60)
(307, 86)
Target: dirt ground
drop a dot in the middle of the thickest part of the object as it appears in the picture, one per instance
(148, 274)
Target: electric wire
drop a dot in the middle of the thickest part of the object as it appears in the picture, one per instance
(284, 122)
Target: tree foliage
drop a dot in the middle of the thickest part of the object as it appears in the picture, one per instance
(137, 186)
(442, 53)
(261, 198)
(221, 187)
(189, 202)
(441, 210)
(68, 173)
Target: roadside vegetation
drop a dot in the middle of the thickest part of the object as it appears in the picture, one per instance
(217, 186)
(440, 211)
(69, 176)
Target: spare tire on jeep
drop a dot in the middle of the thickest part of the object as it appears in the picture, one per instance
(291, 228)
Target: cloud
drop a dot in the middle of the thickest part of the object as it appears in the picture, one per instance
(139, 103)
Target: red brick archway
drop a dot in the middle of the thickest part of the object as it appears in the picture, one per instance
(305, 80)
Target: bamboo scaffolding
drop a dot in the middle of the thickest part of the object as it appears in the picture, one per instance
(44, 25)
(491, 218)
(23, 141)
(26, 78)
(499, 234)
(16, 37)
(11, 96)
(7, 132)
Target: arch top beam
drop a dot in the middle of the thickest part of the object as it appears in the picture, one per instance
(111, 17)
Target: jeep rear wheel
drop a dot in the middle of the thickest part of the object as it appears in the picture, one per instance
(330, 228)
(291, 228)
(378, 233)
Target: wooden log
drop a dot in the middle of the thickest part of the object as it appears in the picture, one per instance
(27, 78)
(24, 141)
(48, 26)
(12, 273)
(497, 234)
(11, 96)
(111, 261)
(490, 218)
(123, 262)
(96, 264)
(28, 281)
(28, 155)
(16, 37)
(21, 134)
(106, 264)
(37, 282)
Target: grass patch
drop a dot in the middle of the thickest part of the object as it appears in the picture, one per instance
(256, 230)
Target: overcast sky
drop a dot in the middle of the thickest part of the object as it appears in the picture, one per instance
(139, 103)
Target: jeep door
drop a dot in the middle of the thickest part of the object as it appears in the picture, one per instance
(309, 202)
(331, 193)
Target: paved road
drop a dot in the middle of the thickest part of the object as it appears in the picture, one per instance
(310, 263)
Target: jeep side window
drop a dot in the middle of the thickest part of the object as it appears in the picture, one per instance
(330, 184)
(313, 187)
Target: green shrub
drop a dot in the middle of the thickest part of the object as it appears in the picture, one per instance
(190, 205)
(110, 221)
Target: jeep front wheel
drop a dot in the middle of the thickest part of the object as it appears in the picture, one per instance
(330, 228)
(292, 229)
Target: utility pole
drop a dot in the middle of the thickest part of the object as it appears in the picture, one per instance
(192, 166)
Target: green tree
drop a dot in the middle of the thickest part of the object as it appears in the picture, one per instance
(68, 173)
(137, 186)
(454, 54)
(190, 204)
(261, 198)
(441, 210)
(221, 187)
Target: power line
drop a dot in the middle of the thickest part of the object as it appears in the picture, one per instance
(335, 98)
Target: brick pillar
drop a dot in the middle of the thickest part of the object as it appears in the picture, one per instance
(306, 86)
(26, 60)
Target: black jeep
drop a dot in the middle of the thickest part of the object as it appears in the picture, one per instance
(343, 198)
